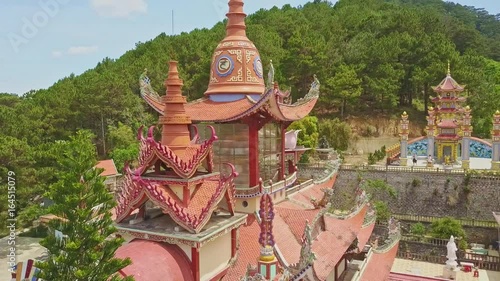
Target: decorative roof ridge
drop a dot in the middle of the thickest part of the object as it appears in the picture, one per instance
(394, 235)
(131, 194)
(185, 167)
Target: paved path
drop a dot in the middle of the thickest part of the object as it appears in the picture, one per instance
(436, 270)
(26, 248)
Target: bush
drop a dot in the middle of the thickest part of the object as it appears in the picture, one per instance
(418, 229)
(309, 133)
(337, 133)
(446, 227)
(382, 210)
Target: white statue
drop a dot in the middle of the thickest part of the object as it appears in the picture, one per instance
(452, 255)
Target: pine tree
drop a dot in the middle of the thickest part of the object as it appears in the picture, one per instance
(86, 250)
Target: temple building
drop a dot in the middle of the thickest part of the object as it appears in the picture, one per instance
(449, 124)
(217, 197)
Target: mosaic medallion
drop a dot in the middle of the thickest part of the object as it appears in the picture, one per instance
(257, 67)
(224, 66)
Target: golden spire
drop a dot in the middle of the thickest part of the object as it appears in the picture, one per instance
(449, 72)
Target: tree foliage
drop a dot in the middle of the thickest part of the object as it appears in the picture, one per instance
(337, 133)
(446, 227)
(83, 204)
(374, 57)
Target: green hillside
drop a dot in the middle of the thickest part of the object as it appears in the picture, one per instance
(371, 56)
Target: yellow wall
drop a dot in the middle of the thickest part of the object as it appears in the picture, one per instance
(214, 256)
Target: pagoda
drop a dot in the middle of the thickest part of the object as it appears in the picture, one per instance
(190, 216)
(448, 123)
(173, 205)
(250, 118)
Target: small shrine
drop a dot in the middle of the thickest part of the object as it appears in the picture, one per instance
(173, 205)
(448, 124)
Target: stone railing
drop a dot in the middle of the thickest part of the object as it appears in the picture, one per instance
(464, 222)
(269, 187)
(349, 167)
(482, 261)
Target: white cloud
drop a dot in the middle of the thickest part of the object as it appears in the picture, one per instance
(75, 51)
(119, 8)
(81, 50)
(57, 54)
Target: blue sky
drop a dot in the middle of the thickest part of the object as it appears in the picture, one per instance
(42, 41)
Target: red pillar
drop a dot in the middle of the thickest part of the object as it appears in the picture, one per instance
(282, 160)
(253, 151)
(195, 263)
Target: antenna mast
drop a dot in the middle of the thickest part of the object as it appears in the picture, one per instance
(173, 22)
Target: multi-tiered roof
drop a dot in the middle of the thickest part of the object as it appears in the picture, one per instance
(448, 111)
(181, 182)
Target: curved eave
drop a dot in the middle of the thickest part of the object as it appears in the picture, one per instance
(154, 103)
(290, 112)
(206, 110)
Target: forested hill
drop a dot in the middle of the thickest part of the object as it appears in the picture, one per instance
(371, 56)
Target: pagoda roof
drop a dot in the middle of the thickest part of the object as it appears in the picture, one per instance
(155, 261)
(193, 216)
(448, 84)
(447, 123)
(365, 232)
(108, 166)
(339, 235)
(208, 110)
(447, 137)
(380, 264)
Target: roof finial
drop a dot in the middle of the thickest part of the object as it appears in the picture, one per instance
(236, 19)
(449, 72)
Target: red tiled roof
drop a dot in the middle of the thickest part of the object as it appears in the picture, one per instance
(248, 252)
(364, 235)
(296, 220)
(331, 244)
(448, 84)
(202, 204)
(153, 261)
(285, 240)
(206, 110)
(380, 264)
(297, 112)
(108, 166)
(447, 123)
(407, 277)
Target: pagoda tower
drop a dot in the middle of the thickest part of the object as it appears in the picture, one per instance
(251, 120)
(173, 206)
(495, 136)
(446, 122)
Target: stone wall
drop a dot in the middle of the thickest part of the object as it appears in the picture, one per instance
(432, 194)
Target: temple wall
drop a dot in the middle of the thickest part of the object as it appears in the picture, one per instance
(247, 205)
(214, 256)
(433, 194)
